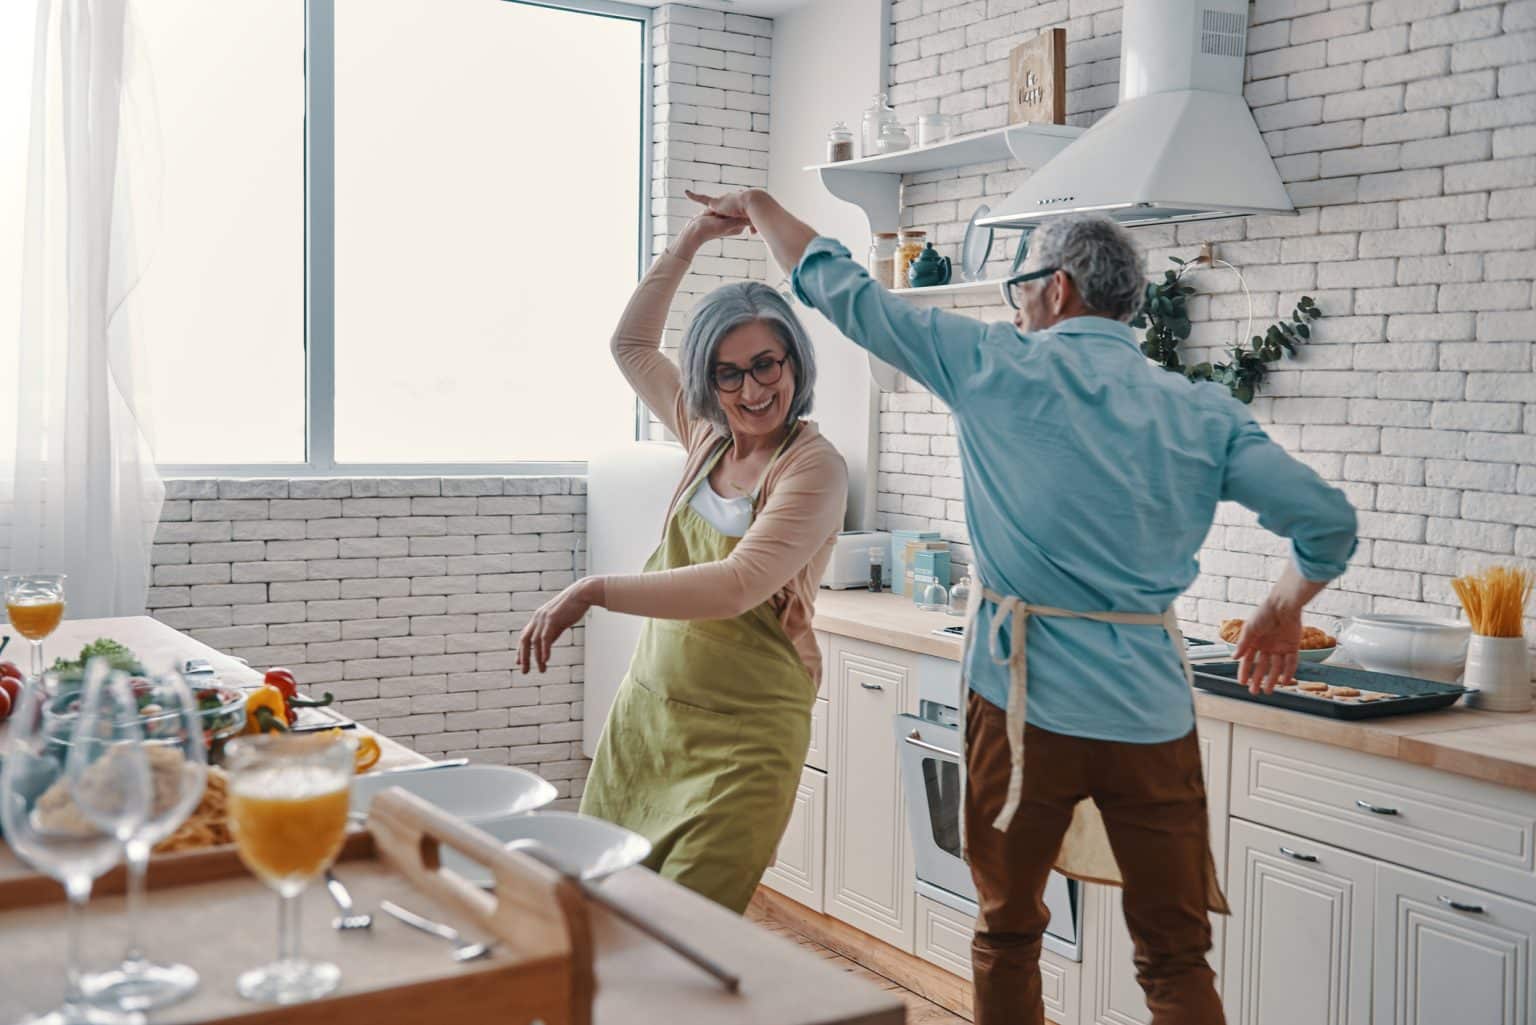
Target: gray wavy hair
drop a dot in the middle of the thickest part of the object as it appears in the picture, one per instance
(723, 311)
(1100, 257)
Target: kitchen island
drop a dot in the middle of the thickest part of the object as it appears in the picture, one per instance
(638, 982)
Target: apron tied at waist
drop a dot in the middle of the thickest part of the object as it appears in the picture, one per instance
(1018, 612)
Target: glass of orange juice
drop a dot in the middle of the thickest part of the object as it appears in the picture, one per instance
(288, 800)
(35, 604)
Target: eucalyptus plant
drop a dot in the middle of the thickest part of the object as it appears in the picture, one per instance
(1165, 315)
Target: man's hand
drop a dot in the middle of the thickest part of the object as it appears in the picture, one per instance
(1266, 649)
(706, 227)
(732, 205)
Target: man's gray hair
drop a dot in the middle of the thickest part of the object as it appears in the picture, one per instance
(723, 311)
(1099, 256)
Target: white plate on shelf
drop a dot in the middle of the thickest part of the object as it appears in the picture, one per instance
(472, 792)
(592, 848)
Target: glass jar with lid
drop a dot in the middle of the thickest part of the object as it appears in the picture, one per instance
(876, 117)
(893, 137)
(909, 246)
(960, 596)
(934, 128)
(839, 143)
(882, 258)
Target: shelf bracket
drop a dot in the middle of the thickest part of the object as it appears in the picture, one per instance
(874, 192)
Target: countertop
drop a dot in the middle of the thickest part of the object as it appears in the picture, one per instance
(1496, 747)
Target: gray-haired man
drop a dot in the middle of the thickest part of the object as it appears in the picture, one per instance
(1091, 480)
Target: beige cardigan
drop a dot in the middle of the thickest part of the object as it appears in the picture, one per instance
(800, 510)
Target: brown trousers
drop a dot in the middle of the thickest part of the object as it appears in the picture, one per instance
(1152, 799)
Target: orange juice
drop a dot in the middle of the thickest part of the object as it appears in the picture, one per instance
(288, 822)
(35, 620)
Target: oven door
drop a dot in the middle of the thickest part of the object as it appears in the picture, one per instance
(930, 774)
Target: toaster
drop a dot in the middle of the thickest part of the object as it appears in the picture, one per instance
(849, 565)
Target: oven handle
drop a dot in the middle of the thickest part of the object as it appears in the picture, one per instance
(916, 740)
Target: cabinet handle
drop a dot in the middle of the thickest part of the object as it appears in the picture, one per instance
(1297, 854)
(1375, 809)
(871, 686)
(1456, 905)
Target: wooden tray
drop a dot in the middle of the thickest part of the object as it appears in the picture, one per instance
(1407, 693)
(204, 909)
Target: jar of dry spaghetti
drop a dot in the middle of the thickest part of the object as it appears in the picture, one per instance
(909, 246)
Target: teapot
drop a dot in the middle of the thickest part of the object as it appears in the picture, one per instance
(929, 268)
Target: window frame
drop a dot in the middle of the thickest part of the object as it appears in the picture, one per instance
(320, 263)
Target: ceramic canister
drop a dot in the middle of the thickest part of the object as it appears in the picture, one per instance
(1499, 674)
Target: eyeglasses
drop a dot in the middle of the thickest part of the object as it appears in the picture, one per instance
(1011, 286)
(765, 370)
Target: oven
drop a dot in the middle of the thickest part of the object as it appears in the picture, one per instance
(929, 743)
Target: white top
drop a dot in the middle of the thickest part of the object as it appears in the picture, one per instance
(730, 516)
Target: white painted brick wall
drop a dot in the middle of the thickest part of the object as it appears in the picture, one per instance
(1406, 132)
(710, 135)
(403, 597)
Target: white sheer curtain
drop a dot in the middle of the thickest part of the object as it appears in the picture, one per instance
(86, 492)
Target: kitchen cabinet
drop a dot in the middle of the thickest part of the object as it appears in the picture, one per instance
(1114, 996)
(799, 870)
(1299, 942)
(1446, 952)
(869, 859)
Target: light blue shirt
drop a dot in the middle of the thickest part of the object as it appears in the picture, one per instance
(1091, 479)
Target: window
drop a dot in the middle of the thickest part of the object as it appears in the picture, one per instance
(430, 278)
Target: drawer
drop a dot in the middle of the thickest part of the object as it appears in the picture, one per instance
(816, 754)
(944, 939)
(1479, 833)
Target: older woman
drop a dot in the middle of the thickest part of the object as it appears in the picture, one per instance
(704, 744)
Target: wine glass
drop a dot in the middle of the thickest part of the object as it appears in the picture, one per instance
(288, 800)
(35, 604)
(50, 831)
(168, 716)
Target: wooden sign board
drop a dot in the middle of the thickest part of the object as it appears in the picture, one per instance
(1037, 78)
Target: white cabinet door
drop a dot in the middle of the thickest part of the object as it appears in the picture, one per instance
(1449, 953)
(798, 871)
(869, 859)
(1114, 996)
(1299, 942)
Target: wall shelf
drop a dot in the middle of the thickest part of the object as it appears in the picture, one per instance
(953, 288)
(873, 183)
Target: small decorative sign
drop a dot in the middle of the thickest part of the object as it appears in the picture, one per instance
(1037, 76)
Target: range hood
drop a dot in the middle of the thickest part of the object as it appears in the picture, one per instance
(1181, 145)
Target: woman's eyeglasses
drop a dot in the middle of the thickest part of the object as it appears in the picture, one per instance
(765, 370)
(1011, 286)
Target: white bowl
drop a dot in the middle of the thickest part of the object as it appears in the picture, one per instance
(1431, 649)
(591, 848)
(1314, 654)
(472, 792)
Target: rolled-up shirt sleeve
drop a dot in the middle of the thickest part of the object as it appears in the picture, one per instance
(933, 347)
(1291, 500)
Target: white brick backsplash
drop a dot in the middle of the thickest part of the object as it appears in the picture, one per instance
(360, 586)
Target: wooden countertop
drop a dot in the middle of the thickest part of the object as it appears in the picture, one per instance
(1496, 747)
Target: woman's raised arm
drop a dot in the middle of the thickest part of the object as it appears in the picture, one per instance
(636, 341)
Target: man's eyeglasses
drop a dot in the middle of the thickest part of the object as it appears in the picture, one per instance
(1011, 286)
(765, 370)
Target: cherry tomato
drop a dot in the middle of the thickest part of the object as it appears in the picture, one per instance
(11, 687)
(5, 704)
(10, 670)
(283, 680)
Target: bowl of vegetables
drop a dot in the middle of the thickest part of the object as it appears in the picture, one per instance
(220, 709)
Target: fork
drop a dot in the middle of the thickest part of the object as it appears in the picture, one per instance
(348, 919)
(463, 949)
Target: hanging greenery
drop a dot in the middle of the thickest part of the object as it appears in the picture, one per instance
(1165, 316)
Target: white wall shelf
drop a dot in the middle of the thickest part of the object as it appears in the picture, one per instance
(953, 288)
(873, 183)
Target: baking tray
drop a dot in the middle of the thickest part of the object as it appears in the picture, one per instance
(1409, 694)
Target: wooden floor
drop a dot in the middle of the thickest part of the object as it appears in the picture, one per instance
(919, 1011)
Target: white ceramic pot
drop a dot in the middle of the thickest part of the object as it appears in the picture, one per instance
(1499, 673)
(1431, 649)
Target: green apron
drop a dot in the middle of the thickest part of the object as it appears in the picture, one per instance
(704, 744)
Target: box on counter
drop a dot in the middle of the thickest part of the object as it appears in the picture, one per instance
(915, 550)
(898, 560)
(927, 566)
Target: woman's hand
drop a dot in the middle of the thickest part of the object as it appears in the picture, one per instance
(706, 227)
(554, 618)
(1266, 649)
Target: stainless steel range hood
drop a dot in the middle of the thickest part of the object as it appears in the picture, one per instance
(1181, 145)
